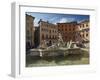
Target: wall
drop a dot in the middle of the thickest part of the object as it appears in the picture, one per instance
(5, 40)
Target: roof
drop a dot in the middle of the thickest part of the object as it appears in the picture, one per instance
(45, 22)
(30, 16)
(84, 21)
(73, 22)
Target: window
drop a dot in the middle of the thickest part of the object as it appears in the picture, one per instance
(83, 25)
(53, 36)
(87, 35)
(42, 36)
(86, 25)
(65, 29)
(69, 29)
(58, 26)
(50, 36)
(80, 26)
(73, 29)
(58, 29)
(80, 35)
(83, 35)
(50, 31)
(42, 29)
(53, 30)
(47, 30)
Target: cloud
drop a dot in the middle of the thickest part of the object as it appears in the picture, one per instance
(63, 20)
(53, 19)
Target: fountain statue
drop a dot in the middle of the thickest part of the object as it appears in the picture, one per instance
(69, 43)
(60, 40)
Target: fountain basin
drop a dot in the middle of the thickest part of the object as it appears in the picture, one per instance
(74, 51)
(47, 52)
(54, 52)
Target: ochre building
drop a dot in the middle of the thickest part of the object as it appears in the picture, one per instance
(83, 32)
(48, 32)
(29, 31)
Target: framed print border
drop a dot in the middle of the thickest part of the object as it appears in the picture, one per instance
(18, 40)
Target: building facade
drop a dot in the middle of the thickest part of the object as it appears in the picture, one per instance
(83, 32)
(29, 31)
(48, 33)
(68, 31)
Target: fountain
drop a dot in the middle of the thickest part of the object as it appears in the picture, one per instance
(55, 49)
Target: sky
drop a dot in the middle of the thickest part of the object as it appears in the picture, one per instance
(57, 18)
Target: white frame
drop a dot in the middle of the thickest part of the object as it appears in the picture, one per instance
(18, 41)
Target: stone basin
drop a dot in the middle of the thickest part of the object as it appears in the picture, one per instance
(48, 52)
(54, 52)
(74, 51)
